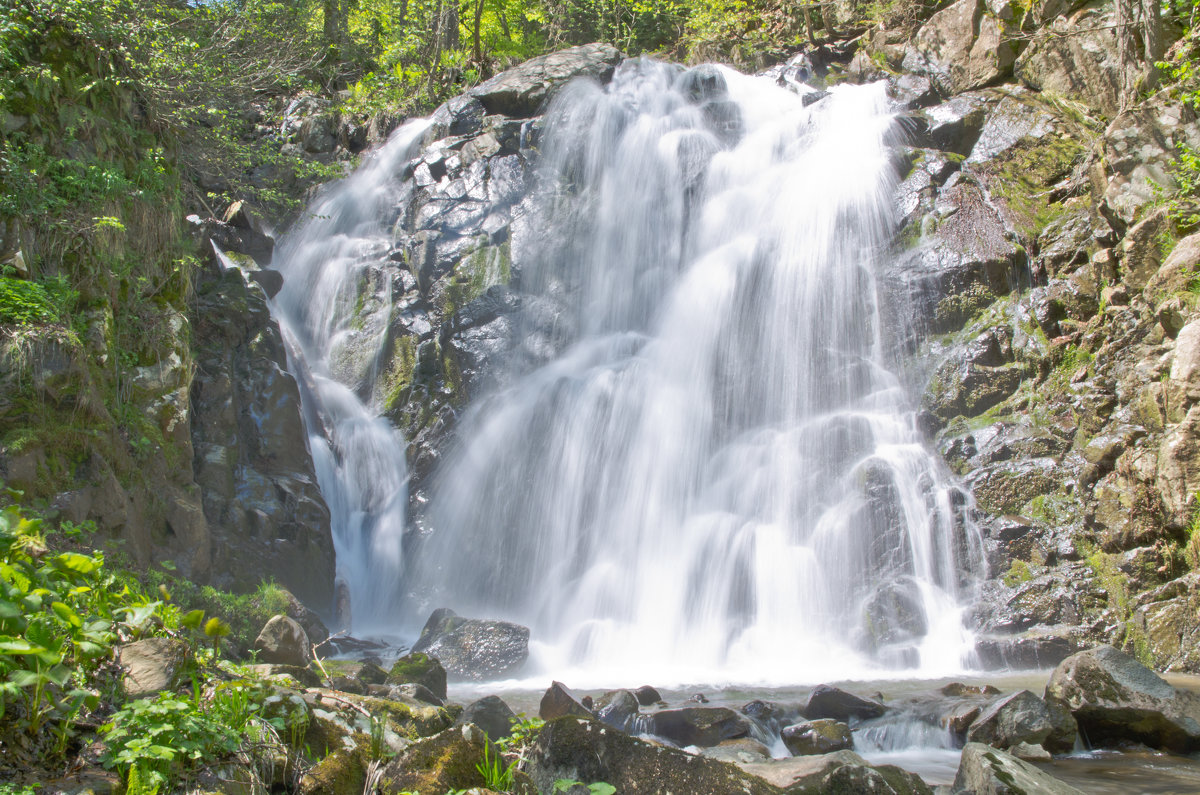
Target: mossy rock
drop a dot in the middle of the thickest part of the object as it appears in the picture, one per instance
(419, 669)
(343, 772)
(447, 761)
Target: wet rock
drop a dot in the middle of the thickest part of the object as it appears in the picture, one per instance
(1116, 699)
(283, 641)
(491, 714)
(703, 726)
(987, 771)
(1178, 270)
(1139, 147)
(1024, 718)
(1169, 617)
(817, 737)
(961, 48)
(522, 91)
(1034, 650)
(959, 690)
(617, 709)
(830, 702)
(586, 751)
(474, 649)
(703, 83)
(420, 669)
(647, 695)
(558, 702)
(152, 665)
(954, 125)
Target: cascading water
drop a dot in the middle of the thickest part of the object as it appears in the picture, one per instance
(334, 310)
(714, 477)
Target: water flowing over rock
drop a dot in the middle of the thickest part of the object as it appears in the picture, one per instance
(474, 649)
(699, 377)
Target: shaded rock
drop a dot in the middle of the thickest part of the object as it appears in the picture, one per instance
(420, 669)
(283, 641)
(1178, 270)
(291, 674)
(1024, 718)
(830, 702)
(340, 773)
(418, 692)
(1116, 699)
(987, 771)
(474, 649)
(558, 702)
(703, 726)
(740, 751)
(817, 737)
(586, 751)
(647, 695)
(443, 762)
(491, 714)
(521, 92)
(1030, 651)
(617, 709)
(152, 665)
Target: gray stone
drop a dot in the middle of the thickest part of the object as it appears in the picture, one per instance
(491, 714)
(152, 665)
(1024, 718)
(474, 649)
(522, 91)
(961, 48)
(283, 641)
(987, 771)
(830, 702)
(558, 702)
(817, 737)
(703, 726)
(1116, 699)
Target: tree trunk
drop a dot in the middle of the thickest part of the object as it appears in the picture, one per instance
(477, 50)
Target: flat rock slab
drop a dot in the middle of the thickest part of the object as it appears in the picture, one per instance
(521, 92)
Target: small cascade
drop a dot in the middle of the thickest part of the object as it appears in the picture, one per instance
(334, 310)
(714, 474)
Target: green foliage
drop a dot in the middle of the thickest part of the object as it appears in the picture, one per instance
(25, 303)
(496, 775)
(595, 788)
(1017, 574)
(523, 733)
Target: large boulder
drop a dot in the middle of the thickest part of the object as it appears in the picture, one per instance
(960, 48)
(817, 737)
(491, 714)
(838, 773)
(830, 702)
(444, 762)
(283, 641)
(703, 726)
(420, 669)
(1024, 718)
(558, 702)
(987, 771)
(521, 92)
(1116, 699)
(583, 750)
(474, 649)
(152, 665)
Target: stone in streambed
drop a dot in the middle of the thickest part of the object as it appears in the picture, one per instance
(703, 726)
(832, 702)
(817, 737)
(558, 702)
(491, 714)
(1116, 699)
(1024, 718)
(421, 669)
(474, 649)
(987, 771)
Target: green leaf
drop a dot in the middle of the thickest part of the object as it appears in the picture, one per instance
(63, 611)
(73, 561)
(192, 619)
(216, 628)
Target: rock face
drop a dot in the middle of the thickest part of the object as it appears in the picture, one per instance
(1116, 699)
(152, 665)
(986, 771)
(262, 506)
(284, 642)
(961, 48)
(474, 649)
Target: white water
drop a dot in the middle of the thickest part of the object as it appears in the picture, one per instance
(334, 311)
(716, 474)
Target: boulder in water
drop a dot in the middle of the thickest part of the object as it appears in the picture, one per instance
(821, 736)
(831, 702)
(558, 702)
(703, 83)
(647, 695)
(283, 641)
(1024, 718)
(474, 649)
(617, 708)
(703, 726)
(1116, 699)
(420, 669)
(986, 771)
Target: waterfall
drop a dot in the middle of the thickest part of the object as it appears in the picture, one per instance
(714, 474)
(334, 311)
